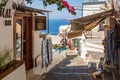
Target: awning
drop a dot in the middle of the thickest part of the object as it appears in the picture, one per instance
(92, 17)
(74, 34)
(26, 8)
(85, 23)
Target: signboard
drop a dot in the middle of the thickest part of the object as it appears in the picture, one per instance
(8, 23)
(6, 13)
(40, 23)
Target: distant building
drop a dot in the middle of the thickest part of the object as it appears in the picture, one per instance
(92, 7)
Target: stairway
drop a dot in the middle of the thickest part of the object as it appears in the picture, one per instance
(71, 68)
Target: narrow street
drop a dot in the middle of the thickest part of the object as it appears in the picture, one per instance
(71, 68)
(59, 39)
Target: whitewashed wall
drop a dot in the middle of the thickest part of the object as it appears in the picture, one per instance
(89, 9)
(6, 41)
(117, 5)
(6, 32)
(18, 74)
(37, 51)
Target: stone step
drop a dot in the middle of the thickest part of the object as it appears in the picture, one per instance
(73, 70)
(69, 76)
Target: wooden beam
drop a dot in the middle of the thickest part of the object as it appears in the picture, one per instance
(93, 16)
(74, 34)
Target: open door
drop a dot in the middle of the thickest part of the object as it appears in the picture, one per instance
(27, 44)
(23, 40)
(18, 39)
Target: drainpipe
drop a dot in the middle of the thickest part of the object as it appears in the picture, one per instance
(48, 21)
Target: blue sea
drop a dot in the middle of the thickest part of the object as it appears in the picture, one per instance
(54, 25)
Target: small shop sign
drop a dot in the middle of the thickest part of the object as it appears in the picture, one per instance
(6, 13)
(8, 23)
(40, 23)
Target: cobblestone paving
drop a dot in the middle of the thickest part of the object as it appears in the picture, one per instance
(71, 68)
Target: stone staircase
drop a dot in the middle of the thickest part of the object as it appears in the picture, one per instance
(72, 68)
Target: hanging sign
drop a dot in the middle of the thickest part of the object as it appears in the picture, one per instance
(40, 23)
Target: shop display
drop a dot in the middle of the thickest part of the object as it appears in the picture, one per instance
(47, 55)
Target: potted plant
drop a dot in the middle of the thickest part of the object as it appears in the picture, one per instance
(5, 58)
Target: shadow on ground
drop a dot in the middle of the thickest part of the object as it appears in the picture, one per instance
(71, 68)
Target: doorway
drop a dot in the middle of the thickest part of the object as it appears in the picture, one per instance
(23, 40)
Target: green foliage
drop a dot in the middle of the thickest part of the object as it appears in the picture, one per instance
(55, 46)
(50, 2)
(59, 6)
(5, 57)
(29, 1)
(45, 2)
(4, 2)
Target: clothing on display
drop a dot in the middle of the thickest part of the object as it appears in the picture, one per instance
(47, 55)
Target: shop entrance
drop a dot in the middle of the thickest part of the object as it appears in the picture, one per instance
(23, 39)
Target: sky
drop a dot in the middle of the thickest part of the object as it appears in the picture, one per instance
(55, 14)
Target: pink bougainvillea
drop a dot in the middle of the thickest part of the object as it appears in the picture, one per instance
(60, 5)
(66, 5)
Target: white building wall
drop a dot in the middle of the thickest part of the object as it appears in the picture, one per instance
(37, 44)
(6, 41)
(37, 50)
(92, 8)
(18, 74)
(6, 32)
(117, 5)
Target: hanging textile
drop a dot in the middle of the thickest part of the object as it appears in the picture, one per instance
(49, 48)
(109, 46)
(44, 54)
(47, 55)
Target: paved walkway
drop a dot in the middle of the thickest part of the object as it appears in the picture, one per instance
(74, 67)
(71, 68)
